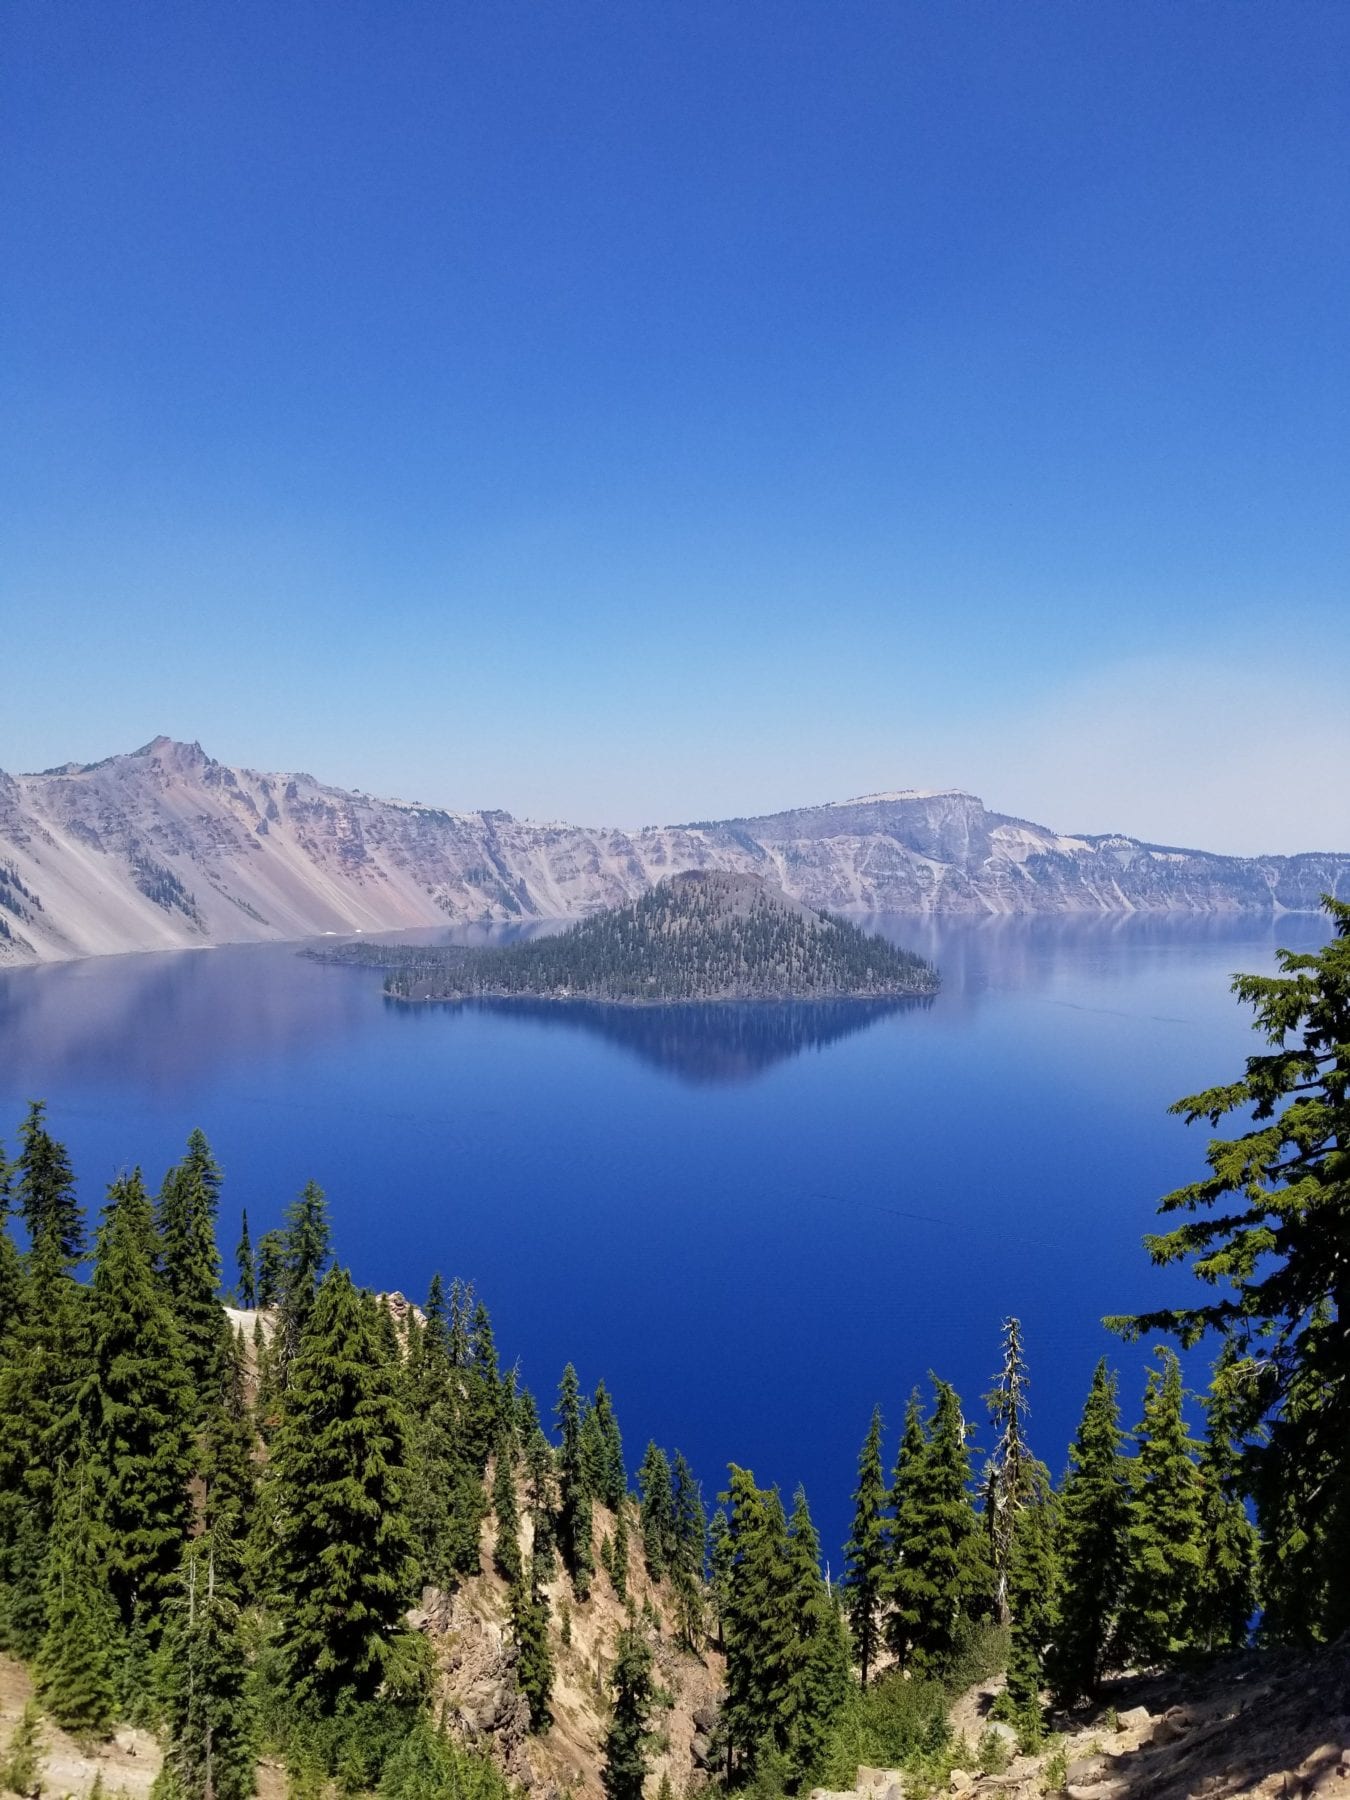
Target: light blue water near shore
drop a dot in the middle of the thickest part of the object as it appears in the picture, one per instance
(751, 1221)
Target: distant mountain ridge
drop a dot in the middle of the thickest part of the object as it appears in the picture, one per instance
(167, 848)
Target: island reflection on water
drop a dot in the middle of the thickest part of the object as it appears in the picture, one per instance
(704, 1042)
(162, 1021)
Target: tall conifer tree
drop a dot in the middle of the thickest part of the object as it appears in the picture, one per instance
(271, 1268)
(229, 1473)
(530, 1629)
(186, 1223)
(246, 1266)
(11, 1263)
(867, 1559)
(341, 1563)
(721, 1555)
(446, 1494)
(612, 1483)
(543, 1507)
(1266, 1231)
(1093, 1520)
(1032, 1596)
(483, 1391)
(657, 1510)
(506, 1550)
(306, 1254)
(941, 1571)
(45, 1188)
(627, 1739)
(758, 1626)
(210, 1753)
(817, 1664)
(41, 1377)
(575, 1518)
(77, 1660)
(1009, 1467)
(1165, 1537)
(902, 1622)
(137, 1405)
(620, 1552)
(688, 1551)
(1228, 1581)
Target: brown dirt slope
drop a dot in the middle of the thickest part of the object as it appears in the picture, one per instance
(1261, 1723)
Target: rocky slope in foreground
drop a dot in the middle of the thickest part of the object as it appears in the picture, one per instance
(167, 848)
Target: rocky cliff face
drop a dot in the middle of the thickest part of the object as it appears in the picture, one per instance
(166, 848)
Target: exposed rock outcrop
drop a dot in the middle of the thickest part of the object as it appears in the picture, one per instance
(167, 848)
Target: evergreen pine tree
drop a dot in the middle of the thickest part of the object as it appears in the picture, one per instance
(901, 1623)
(447, 1501)
(529, 1627)
(688, 1552)
(45, 1188)
(758, 1627)
(627, 1739)
(1228, 1581)
(506, 1550)
(244, 1263)
(11, 1263)
(229, 1473)
(186, 1224)
(44, 1346)
(542, 1503)
(210, 1752)
(817, 1669)
(1007, 1477)
(1032, 1596)
(460, 1332)
(619, 1555)
(657, 1510)
(867, 1553)
(483, 1391)
(271, 1268)
(306, 1254)
(1093, 1521)
(720, 1555)
(41, 1374)
(611, 1474)
(941, 1573)
(76, 1663)
(574, 1518)
(21, 1771)
(528, 1420)
(1272, 1255)
(341, 1564)
(592, 1449)
(1165, 1537)
(137, 1406)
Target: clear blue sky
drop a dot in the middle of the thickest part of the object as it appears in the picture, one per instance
(640, 412)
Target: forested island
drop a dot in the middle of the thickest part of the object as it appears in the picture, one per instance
(266, 1516)
(704, 935)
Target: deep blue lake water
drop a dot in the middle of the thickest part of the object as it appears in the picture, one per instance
(752, 1222)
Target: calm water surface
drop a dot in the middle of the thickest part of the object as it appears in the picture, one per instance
(753, 1222)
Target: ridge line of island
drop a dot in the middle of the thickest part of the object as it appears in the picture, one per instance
(702, 935)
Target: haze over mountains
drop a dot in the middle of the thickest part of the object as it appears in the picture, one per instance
(167, 848)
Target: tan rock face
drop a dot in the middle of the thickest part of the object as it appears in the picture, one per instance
(476, 1662)
(1257, 1724)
